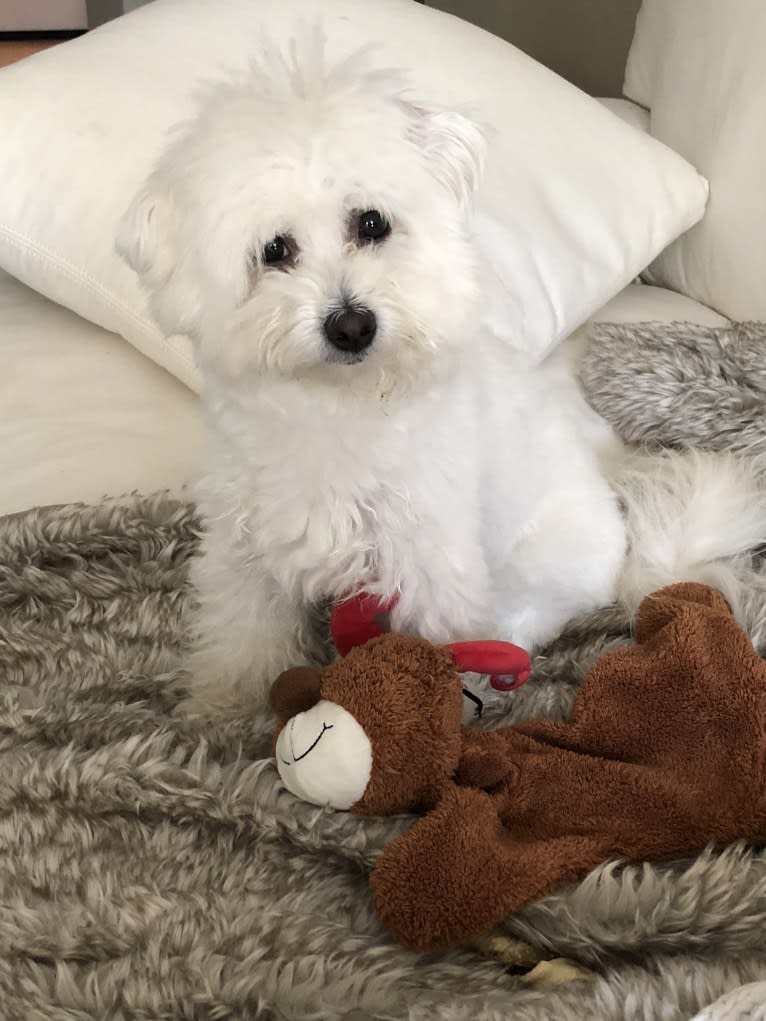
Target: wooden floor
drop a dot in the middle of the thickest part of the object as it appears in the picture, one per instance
(16, 49)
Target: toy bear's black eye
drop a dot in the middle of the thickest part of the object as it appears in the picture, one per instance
(373, 226)
(276, 250)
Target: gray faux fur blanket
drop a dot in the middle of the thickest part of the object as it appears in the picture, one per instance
(153, 868)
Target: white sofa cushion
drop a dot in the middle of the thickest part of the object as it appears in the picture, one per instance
(579, 202)
(699, 66)
(643, 303)
(83, 414)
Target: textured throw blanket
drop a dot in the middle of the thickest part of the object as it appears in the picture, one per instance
(152, 868)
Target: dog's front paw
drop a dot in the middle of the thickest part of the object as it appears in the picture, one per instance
(213, 701)
(211, 691)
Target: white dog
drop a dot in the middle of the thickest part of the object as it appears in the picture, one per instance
(312, 231)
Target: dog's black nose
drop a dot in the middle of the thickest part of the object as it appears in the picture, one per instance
(351, 329)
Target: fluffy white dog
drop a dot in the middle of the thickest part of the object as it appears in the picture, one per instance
(312, 230)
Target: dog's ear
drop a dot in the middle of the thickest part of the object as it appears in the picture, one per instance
(295, 691)
(144, 235)
(147, 239)
(454, 144)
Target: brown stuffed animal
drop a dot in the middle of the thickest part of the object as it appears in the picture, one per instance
(664, 753)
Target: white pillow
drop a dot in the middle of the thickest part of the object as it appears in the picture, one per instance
(578, 202)
(700, 66)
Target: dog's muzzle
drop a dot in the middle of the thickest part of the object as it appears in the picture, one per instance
(351, 329)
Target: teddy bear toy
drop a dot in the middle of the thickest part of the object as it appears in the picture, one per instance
(664, 754)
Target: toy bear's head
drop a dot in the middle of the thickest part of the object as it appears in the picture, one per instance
(377, 732)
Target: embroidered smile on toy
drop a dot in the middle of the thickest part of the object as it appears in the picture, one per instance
(664, 753)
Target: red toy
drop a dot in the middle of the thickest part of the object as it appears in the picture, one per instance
(355, 621)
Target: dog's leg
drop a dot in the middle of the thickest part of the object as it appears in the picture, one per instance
(566, 563)
(445, 588)
(244, 630)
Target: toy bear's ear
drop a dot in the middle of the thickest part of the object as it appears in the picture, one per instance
(674, 601)
(295, 691)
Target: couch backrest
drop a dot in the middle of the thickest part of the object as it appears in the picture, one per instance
(699, 66)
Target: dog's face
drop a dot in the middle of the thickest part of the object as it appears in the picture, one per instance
(314, 232)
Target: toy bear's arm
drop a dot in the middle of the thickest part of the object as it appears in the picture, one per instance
(459, 871)
(435, 885)
(485, 758)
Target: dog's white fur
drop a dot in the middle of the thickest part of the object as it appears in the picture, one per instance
(440, 467)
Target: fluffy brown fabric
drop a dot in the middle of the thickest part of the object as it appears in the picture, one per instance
(680, 385)
(150, 870)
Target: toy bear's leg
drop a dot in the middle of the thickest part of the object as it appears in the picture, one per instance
(459, 871)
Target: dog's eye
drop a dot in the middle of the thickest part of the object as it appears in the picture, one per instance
(373, 226)
(276, 250)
